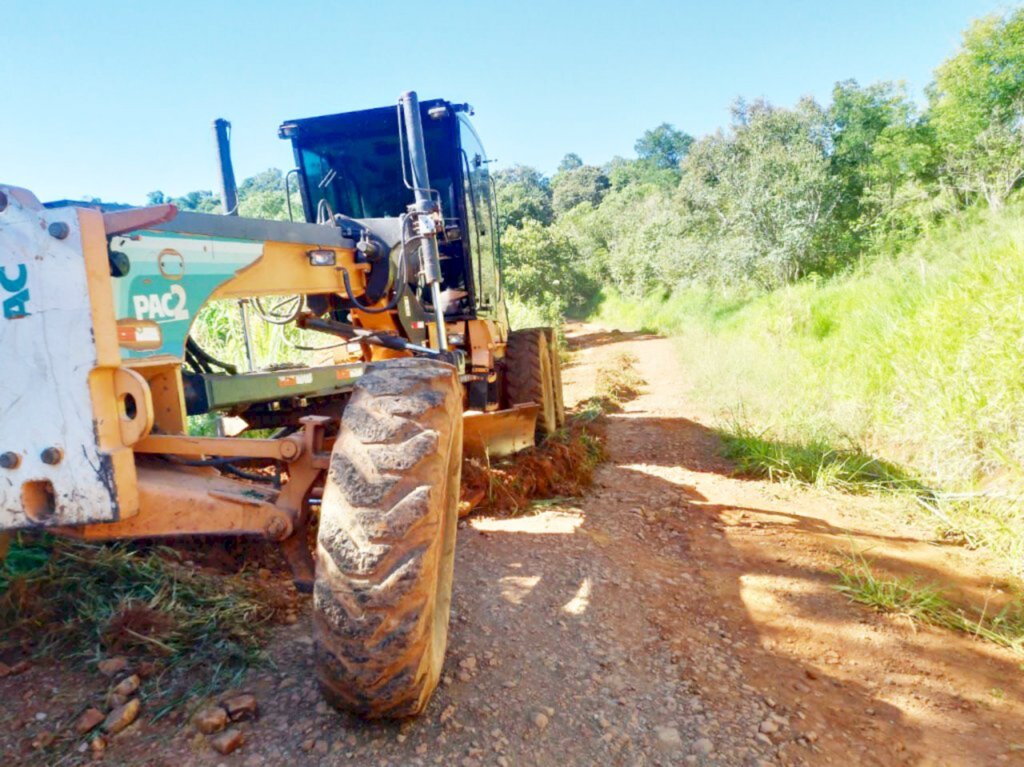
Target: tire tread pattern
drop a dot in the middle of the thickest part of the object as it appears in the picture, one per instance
(529, 376)
(385, 547)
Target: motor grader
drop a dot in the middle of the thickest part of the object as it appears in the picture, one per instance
(396, 262)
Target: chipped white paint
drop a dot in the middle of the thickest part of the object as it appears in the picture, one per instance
(46, 354)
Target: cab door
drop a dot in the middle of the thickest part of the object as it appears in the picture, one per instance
(481, 233)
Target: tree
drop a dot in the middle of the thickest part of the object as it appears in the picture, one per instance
(623, 173)
(583, 185)
(878, 144)
(259, 196)
(263, 196)
(858, 117)
(541, 267)
(663, 147)
(571, 161)
(270, 180)
(976, 106)
(522, 193)
(899, 186)
(201, 201)
(762, 196)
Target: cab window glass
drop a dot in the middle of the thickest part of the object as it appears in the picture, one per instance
(480, 219)
(357, 167)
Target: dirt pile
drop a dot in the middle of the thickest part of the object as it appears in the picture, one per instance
(562, 467)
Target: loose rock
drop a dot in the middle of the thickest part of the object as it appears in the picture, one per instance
(43, 740)
(227, 741)
(112, 666)
(121, 717)
(703, 746)
(88, 721)
(669, 738)
(768, 727)
(210, 720)
(128, 685)
(241, 707)
(540, 720)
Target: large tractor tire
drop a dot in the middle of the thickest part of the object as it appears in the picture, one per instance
(386, 544)
(530, 378)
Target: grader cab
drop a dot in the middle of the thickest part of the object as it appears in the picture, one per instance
(396, 264)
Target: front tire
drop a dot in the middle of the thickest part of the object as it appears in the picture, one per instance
(386, 544)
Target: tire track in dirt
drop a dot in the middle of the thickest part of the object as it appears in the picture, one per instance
(852, 685)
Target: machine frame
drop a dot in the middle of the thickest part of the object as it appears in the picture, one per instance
(121, 463)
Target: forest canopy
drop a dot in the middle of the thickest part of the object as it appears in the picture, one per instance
(779, 194)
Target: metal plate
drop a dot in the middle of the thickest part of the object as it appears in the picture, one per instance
(49, 350)
(499, 432)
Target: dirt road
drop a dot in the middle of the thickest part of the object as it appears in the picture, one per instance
(674, 615)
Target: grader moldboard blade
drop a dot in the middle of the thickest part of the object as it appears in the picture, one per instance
(499, 432)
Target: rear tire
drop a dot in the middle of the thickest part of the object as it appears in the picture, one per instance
(529, 376)
(386, 544)
(556, 377)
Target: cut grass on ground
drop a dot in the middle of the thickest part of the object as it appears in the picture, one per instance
(616, 383)
(81, 602)
(926, 603)
(561, 467)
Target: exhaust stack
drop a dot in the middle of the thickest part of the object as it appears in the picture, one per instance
(228, 188)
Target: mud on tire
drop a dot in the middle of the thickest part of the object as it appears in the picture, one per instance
(530, 376)
(386, 544)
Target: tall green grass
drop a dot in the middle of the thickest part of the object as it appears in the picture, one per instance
(916, 360)
(218, 329)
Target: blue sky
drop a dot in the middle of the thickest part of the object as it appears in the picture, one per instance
(115, 99)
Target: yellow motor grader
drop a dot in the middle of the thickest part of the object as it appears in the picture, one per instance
(398, 263)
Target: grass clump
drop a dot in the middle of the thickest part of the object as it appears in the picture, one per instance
(66, 599)
(814, 462)
(994, 522)
(218, 329)
(618, 381)
(926, 603)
